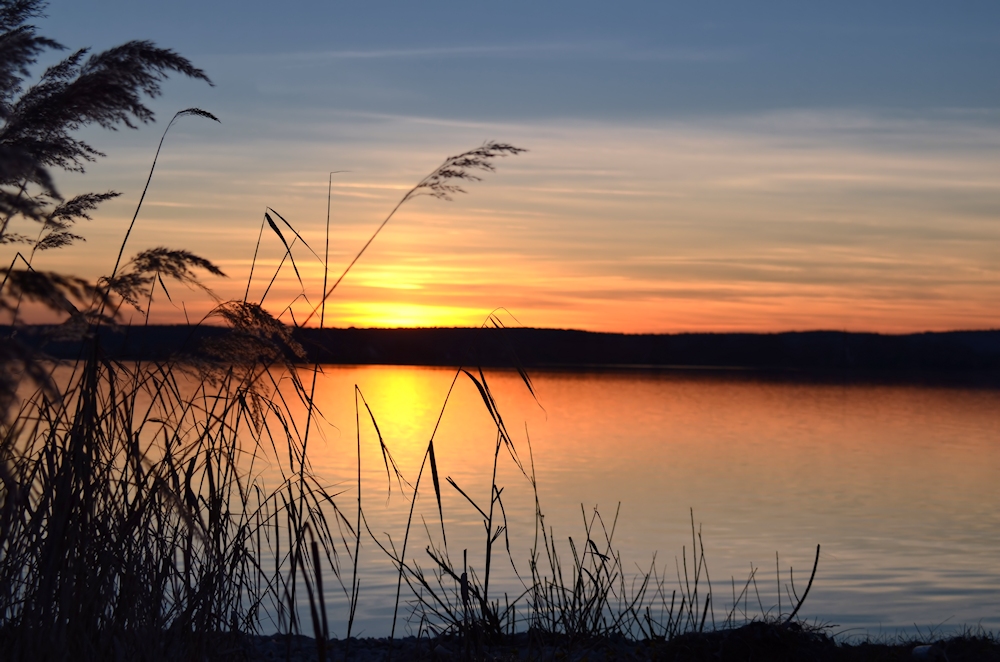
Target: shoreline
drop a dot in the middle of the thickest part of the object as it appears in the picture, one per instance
(960, 357)
(756, 640)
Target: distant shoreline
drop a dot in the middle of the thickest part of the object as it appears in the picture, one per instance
(961, 355)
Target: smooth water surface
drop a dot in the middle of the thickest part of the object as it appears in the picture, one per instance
(899, 484)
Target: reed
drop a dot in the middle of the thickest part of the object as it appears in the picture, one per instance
(129, 526)
(135, 519)
(592, 597)
(135, 522)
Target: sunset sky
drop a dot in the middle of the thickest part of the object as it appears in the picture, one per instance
(710, 166)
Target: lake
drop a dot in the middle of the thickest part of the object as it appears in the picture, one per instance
(898, 483)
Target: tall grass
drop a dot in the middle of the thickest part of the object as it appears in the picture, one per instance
(132, 524)
(135, 522)
(133, 519)
(578, 590)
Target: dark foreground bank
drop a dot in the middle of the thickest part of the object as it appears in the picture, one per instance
(956, 353)
(755, 641)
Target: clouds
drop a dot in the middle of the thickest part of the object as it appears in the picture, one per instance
(771, 221)
(576, 51)
(783, 167)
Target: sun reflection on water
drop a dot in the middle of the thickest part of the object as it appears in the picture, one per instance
(896, 482)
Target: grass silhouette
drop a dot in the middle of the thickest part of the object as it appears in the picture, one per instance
(134, 521)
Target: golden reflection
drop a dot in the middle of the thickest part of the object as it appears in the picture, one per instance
(896, 482)
(402, 402)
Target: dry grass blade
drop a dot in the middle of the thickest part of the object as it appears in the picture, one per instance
(387, 458)
(812, 576)
(294, 231)
(437, 487)
(498, 324)
(467, 497)
(182, 113)
(288, 249)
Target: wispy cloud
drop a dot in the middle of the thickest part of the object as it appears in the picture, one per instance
(182, 205)
(610, 50)
(794, 220)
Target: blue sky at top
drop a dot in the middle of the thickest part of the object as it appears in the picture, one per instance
(579, 59)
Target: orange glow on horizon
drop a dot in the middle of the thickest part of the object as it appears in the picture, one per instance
(400, 315)
(665, 228)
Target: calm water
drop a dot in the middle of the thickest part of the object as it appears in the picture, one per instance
(898, 483)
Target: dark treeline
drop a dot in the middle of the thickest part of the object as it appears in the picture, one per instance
(956, 351)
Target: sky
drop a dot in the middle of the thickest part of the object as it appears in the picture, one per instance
(710, 166)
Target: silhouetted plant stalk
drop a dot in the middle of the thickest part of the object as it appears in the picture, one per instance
(442, 183)
(593, 597)
(238, 404)
(133, 518)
